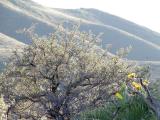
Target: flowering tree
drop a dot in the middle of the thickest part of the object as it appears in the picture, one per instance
(59, 76)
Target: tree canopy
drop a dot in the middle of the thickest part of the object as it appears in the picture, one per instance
(59, 76)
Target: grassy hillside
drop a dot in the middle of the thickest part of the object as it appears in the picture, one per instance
(117, 31)
(7, 46)
(115, 21)
(13, 19)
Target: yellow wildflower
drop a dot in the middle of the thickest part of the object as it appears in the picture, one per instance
(118, 95)
(136, 85)
(145, 82)
(131, 75)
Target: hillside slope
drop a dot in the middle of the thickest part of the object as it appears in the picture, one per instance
(19, 14)
(115, 21)
(7, 46)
